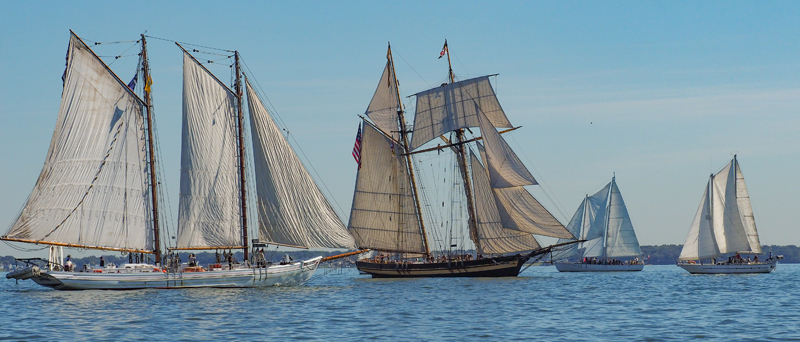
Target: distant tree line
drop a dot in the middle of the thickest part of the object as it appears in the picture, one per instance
(668, 254)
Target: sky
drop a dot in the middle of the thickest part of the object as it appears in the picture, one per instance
(660, 94)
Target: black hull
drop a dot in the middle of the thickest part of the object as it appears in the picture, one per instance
(505, 266)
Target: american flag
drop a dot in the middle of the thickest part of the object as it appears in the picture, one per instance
(357, 147)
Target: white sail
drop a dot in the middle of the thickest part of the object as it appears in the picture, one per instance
(383, 216)
(383, 108)
(700, 243)
(93, 188)
(494, 238)
(452, 106)
(291, 208)
(621, 240)
(746, 211)
(726, 224)
(505, 168)
(209, 213)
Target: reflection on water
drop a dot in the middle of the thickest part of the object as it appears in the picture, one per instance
(661, 303)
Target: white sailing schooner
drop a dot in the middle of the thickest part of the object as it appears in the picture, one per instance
(97, 189)
(386, 215)
(724, 223)
(602, 220)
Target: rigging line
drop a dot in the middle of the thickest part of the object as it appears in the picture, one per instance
(117, 42)
(396, 52)
(126, 50)
(189, 44)
(553, 199)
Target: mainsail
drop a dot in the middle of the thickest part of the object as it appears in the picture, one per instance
(383, 216)
(724, 221)
(291, 208)
(209, 209)
(93, 188)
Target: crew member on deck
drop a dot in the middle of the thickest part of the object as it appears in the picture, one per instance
(102, 262)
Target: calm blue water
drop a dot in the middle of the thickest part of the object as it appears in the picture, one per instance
(661, 303)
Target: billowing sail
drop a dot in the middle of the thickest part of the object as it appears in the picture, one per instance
(383, 216)
(621, 240)
(724, 222)
(746, 211)
(453, 106)
(494, 238)
(209, 213)
(383, 108)
(700, 243)
(519, 210)
(291, 208)
(505, 168)
(93, 188)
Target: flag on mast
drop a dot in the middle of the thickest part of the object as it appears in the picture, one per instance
(444, 50)
(357, 147)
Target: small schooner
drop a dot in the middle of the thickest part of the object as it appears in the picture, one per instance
(724, 224)
(386, 214)
(98, 187)
(602, 220)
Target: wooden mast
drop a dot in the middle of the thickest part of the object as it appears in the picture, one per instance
(462, 163)
(150, 150)
(237, 86)
(404, 139)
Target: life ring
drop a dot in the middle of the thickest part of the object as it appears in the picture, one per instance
(156, 270)
(98, 271)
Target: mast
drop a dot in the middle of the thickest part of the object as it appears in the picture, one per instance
(608, 217)
(404, 139)
(462, 163)
(237, 86)
(150, 150)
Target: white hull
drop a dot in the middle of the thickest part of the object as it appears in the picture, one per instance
(729, 268)
(293, 274)
(581, 267)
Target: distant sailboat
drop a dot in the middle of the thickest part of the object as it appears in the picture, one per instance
(386, 215)
(724, 223)
(602, 220)
(97, 189)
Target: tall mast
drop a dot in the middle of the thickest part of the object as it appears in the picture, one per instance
(150, 150)
(237, 86)
(462, 163)
(404, 139)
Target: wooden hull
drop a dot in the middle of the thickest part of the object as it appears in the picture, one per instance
(293, 274)
(506, 266)
(581, 267)
(729, 268)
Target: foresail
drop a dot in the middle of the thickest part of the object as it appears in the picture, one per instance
(700, 243)
(505, 168)
(291, 208)
(597, 213)
(383, 216)
(453, 106)
(746, 211)
(209, 213)
(620, 239)
(494, 238)
(93, 188)
(383, 108)
(575, 226)
(519, 210)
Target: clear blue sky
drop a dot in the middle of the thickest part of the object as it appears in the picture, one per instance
(662, 93)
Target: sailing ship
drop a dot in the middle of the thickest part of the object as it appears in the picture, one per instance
(386, 214)
(724, 223)
(98, 187)
(602, 220)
